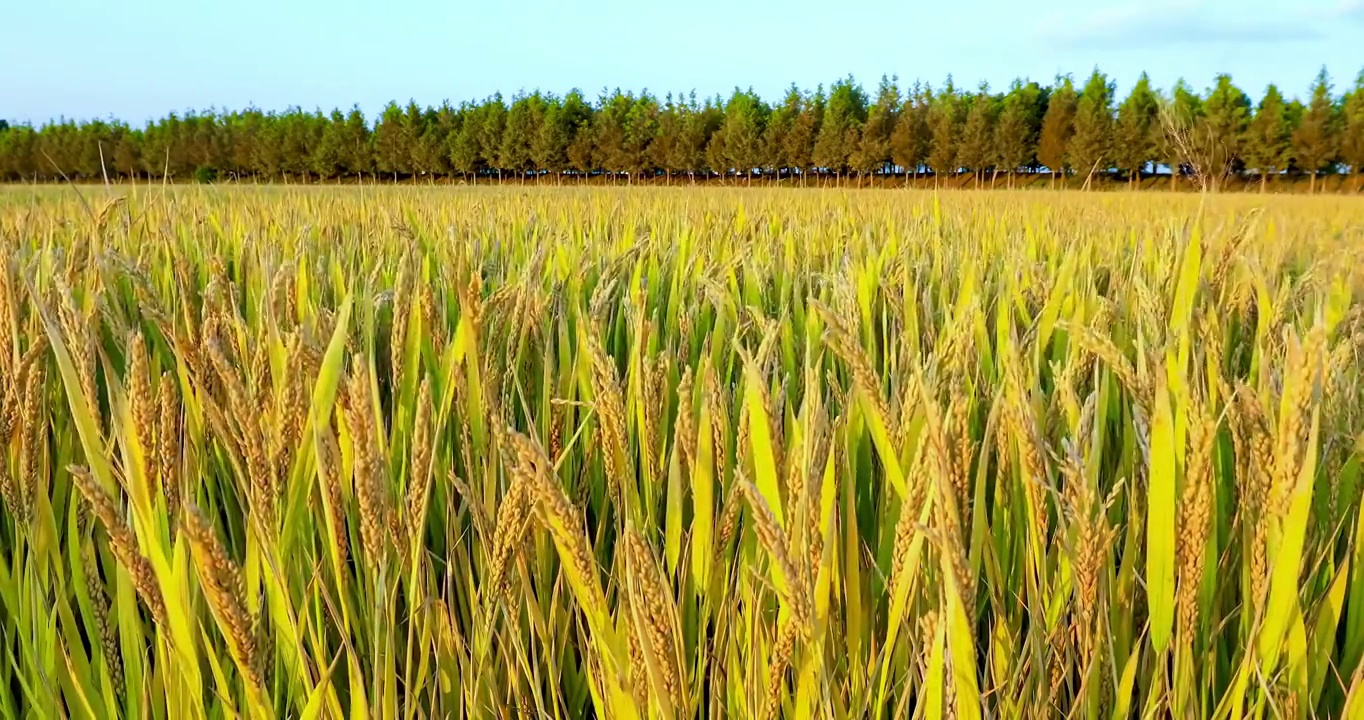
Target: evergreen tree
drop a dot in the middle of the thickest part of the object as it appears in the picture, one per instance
(1058, 126)
(798, 148)
(842, 127)
(1226, 115)
(975, 151)
(699, 136)
(1268, 143)
(610, 132)
(1315, 142)
(911, 138)
(780, 125)
(127, 154)
(873, 149)
(359, 144)
(582, 148)
(641, 127)
(946, 117)
(1137, 129)
(524, 121)
(1089, 150)
(327, 157)
(1352, 135)
(492, 123)
(466, 150)
(1020, 121)
(1179, 117)
(392, 151)
(667, 134)
(563, 118)
(745, 122)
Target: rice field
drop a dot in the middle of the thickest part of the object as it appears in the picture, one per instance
(669, 453)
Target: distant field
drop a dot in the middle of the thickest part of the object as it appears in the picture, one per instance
(665, 453)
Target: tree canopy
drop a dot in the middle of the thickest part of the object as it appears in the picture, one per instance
(837, 131)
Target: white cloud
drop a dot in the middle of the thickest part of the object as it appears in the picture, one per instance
(1350, 10)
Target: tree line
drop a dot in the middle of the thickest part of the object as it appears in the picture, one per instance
(844, 133)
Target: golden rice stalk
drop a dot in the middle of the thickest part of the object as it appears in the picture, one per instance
(782, 651)
(565, 524)
(795, 592)
(960, 452)
(329, 472)
(398, 336)
(79, 328)
(168, 444)
(1195, 519)
(370, 485)
(1303, 364)
(143, 407)
(685, 427)
(293, 409)
(1254, 455)
(1102, 346)
(31, 448)
(729, 517)
(611, 418)
(1020, 422)
(222, 583)
(9, 490)
(908, 524)
(122, 541)
(850, 351)
(108, 631)
(513, 518)
(717, 404)
(1091, 539)
(656, 618)
(419, 484)
(8, 311)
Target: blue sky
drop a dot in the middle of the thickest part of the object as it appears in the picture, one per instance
(138, 59)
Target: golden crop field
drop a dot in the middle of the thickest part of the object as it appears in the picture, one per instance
(672, 453)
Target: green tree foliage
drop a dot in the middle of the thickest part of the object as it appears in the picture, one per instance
(1179, 118)
(841, 130)
(976, 151)
(610, 131)
(1058, 126)
(911, 138)
(1316, 141)
(780, 125)
(1136, 134)
(392, 142)
(466, 150)
(1268, 142)
(1090, 147)
(641, 128)
(1352, 132)
(564, 118)
(525, 120)
(667, 134)
(1226, 115)
(1020, 123)
(798, 148)
(328, 158)
(873, 148)
(1206, 135)
(946, 118)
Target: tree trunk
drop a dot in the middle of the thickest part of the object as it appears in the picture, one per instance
(1312, 183)
(1264, 181)
(1174, 179)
